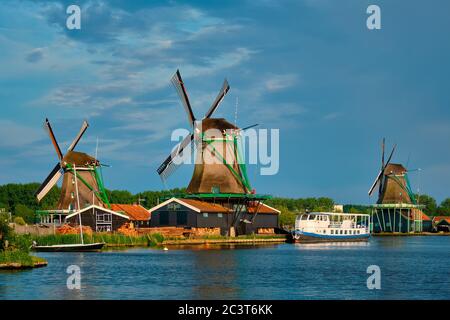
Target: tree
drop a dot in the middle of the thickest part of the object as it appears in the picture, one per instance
(287, 217)
(4, 229)
(429, 203)
(26, 213)
(444, 208)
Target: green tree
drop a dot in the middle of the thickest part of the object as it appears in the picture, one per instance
(26, 213)
(444, 208)
(429, 203)
(5, 230)
(287, 217)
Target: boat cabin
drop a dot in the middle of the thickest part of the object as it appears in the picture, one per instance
(333, 224)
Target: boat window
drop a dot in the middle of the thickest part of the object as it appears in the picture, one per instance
(304, 217)
(312, 217)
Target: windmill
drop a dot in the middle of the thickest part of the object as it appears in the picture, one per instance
(392, 181)
(82, 180)
(219, 167)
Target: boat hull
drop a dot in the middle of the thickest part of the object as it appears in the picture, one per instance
(70, 247)
(313, 238)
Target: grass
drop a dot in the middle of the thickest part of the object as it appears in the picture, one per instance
(19, 257)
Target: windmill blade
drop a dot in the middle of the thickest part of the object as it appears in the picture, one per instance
(83, 129)
(383, 144)
(49, 130)
(179, 86)
(390, 156)
(168, 166)
(219, 98)
(377, 180)
(249, 127)
(49, 182)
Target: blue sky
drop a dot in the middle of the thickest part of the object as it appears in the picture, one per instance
(310, 68)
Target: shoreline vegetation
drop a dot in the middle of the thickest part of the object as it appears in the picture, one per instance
(14, 250)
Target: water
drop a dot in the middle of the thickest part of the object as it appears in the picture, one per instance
(411, 268)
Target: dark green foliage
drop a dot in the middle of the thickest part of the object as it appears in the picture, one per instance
(24, 212)
(354, 208)
(428, 202)
(302, 204)
(444, 208)
(290, 207)
(12, 195)
(5, 230)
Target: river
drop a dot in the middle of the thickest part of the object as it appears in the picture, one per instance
(411, 268)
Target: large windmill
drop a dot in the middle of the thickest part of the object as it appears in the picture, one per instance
(396, 209)
(220, 174)
(219, 167)
(392, 181)
(82, 184)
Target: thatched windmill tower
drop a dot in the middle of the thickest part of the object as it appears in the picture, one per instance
(82, 184)
(396, 202)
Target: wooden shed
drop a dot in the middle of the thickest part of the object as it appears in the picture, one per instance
(193, 213)
(99, 219)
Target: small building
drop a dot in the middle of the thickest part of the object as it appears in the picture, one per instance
(99, 219)
(441, 223)
(139, 216)
(193, 213)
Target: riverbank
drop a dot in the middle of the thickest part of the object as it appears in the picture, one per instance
(16, 260)
(226, 240)
(149, 240)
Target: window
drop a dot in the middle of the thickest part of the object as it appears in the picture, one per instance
(205, 215)
(103, 217)
(332, 231)
(345, 231)
(340, 231)
(219, 215)
(173, 206)
(215, 189)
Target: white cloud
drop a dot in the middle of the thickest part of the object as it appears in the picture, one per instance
(280, 81)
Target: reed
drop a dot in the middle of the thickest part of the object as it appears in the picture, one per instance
(111, 239)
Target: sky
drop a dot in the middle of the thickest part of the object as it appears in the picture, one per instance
(310, 68)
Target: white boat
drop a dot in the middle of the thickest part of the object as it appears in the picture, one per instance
(328, 226)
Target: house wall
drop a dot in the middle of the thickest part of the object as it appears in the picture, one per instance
(88, 218)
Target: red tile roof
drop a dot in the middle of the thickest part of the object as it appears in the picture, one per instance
(438, 219)
(204, 206)
(424, 216)
(264, 209)
(134, 211)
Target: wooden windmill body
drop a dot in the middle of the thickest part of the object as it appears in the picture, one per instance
(217, 167)
(82, 184)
